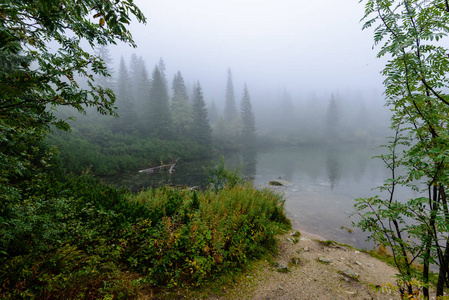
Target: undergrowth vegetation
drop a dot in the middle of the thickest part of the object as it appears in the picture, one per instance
(84, 239)
(107, 153)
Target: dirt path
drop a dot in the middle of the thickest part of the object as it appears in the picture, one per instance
(316, 270)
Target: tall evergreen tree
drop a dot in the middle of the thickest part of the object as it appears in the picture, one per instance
(230, 110)
(106, 82)
(179, 87)
(213, 113)
(201, 131)
(135, 70)
(248, 121)
(141, 95)
(124, 101)
(161, 67)
(138, 74)
(160, 119)
(332, 119)
(181, 110)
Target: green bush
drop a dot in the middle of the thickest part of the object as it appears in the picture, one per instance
(200, 234)
(74, 237)
(63, 242)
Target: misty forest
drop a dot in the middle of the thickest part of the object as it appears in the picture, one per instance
(124, 175)
(160, 119)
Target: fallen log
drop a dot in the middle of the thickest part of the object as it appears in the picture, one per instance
(170, 167)
(158, 168)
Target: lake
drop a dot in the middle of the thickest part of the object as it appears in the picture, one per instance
(324, 183)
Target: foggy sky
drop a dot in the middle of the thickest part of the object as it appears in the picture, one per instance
(297, 45)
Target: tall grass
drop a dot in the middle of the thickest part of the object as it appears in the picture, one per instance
(197, 235)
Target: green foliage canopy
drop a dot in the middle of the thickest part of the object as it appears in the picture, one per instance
(41, 55)
(412, 34)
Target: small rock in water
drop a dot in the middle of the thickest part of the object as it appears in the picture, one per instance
(279, 182)
(281, 267)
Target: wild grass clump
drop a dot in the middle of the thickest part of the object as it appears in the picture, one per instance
(200, 234)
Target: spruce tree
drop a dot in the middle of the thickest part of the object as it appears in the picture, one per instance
(124, 101)
(248, 121)
(106, 82)
(179, 87)
(135, 70)
(159, 119)
(213, 113)
(230, 110)
(141, 94)
(181, 110)
(161, 67)
(201, 131)
(332, 120)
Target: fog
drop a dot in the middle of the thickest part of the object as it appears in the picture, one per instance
(300, 46)
(315, 90)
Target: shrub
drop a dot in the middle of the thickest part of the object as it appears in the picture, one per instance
(75, 237)
(200, 234)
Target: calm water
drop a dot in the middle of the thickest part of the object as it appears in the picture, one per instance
(324, 183)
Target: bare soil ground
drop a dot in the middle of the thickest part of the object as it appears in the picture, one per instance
(316, 270)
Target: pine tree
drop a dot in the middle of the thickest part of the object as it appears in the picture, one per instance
(248, 121)
(201, 131)
(106, 82)
(181, 110)
(135, 70)
(161, 67)
(332, 120)
(138, 74)
(160, 119)
(124, 101)
(179, 87)
(230, 110)
(141, 94)
(213, 113)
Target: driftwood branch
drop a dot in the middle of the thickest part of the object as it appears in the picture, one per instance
(170, 167)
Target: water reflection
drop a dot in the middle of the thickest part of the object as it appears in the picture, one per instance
(332, 165)
(249, 161)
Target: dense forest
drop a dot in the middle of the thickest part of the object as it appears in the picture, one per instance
(154, 123)
(159, 120)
